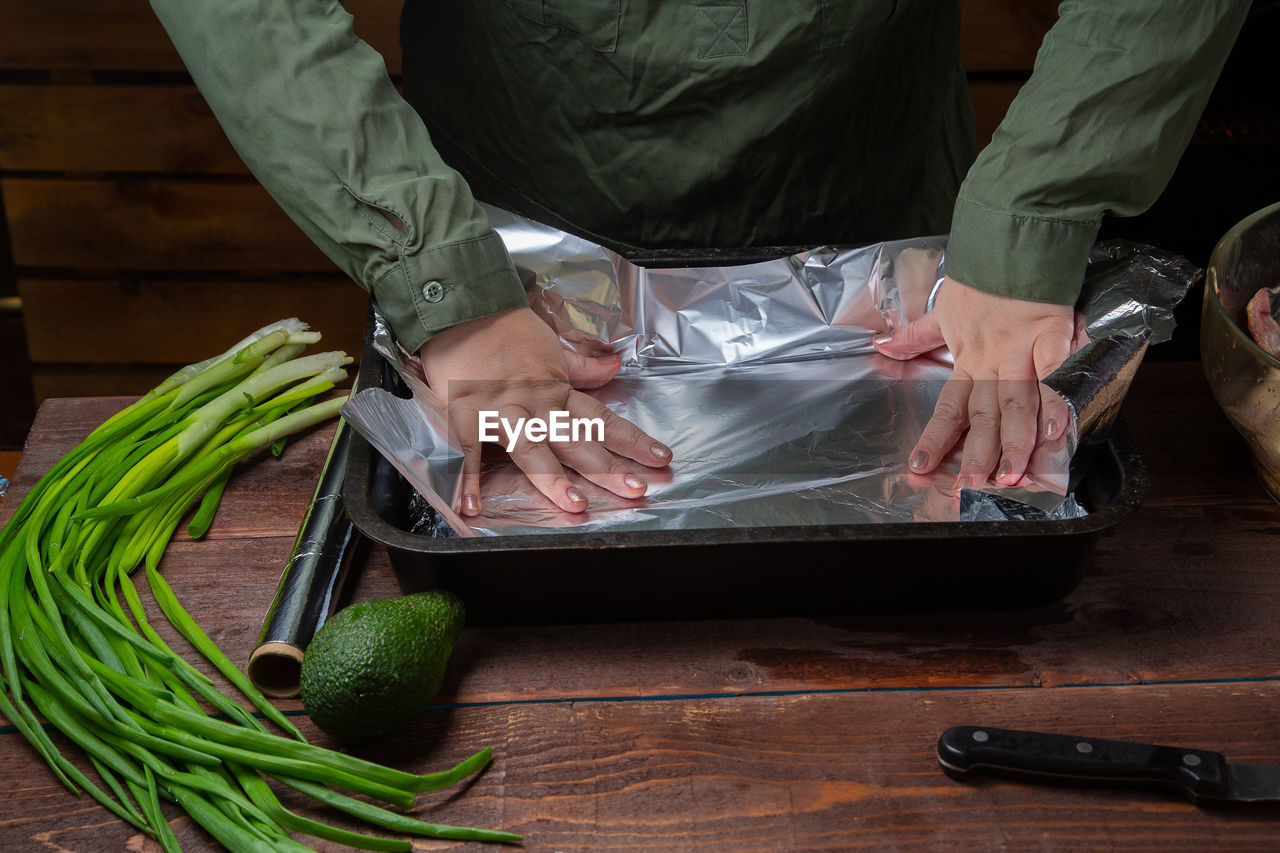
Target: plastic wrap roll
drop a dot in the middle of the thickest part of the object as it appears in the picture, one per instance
(311, 580)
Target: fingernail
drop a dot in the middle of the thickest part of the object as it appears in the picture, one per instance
(1051, 429)
(964, 482)
(634, 482)
(919, 461)
(659, 451)
(1005, 468)
(575, 496)
(471, 504)
(882, 338)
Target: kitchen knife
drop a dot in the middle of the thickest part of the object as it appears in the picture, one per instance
(1039, 757)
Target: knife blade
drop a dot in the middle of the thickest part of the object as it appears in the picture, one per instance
(1200, 775)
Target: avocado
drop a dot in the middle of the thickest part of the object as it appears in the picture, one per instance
(376, 665)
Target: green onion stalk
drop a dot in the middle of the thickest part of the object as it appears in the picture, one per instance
(79, 653)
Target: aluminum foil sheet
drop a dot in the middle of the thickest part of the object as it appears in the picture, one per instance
(762, 380)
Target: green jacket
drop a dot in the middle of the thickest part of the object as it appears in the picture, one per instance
(702, 123)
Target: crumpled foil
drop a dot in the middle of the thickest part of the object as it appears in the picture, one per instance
(762, 380)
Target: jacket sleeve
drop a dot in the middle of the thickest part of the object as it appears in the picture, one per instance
(1098, 129)
(311, 111)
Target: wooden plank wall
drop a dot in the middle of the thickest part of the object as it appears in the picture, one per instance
(139, 239)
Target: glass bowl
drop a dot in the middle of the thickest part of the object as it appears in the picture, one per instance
(1244, 378)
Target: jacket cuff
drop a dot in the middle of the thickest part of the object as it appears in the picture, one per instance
(1019, 255)
(433, 289)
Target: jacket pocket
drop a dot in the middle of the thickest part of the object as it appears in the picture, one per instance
(722, 28)
(847, 21)
(595, 23)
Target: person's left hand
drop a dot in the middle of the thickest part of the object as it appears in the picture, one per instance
(1002, 348)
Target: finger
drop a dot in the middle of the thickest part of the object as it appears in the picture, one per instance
(945, 426)
(602, 468)
(620, 435)
(1055, 414)
(982, 444)
(915, 338)
(470, 493)
(1048, 352)
(467, 441)
(541, 466)
(1019, 398)
(584, 344)
(1081, 337)
(587, 372)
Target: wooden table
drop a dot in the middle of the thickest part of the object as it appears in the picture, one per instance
(8, 463)
(797, 734)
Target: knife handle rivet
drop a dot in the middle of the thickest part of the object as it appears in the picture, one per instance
(1085, 747)
(981, 737)
(1191, 760)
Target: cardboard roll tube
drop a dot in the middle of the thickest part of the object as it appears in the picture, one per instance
(310, 583)
(276, 669)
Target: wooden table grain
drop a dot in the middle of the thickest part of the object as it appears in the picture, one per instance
(794, 734)
(9, 463)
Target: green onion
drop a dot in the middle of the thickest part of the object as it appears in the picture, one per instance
(149, 799)
(267, 800)
(96, 669)
(199, 525)
(391, 820)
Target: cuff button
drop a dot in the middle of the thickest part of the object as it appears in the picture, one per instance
(433, 291)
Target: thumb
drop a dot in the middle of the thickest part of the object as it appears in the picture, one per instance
(915, 338)
(586, 372)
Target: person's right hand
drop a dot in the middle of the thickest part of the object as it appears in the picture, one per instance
(514, 364)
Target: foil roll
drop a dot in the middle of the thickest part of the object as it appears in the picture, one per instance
(311, 581)
(763, 380)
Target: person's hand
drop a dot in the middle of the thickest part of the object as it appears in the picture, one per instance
(514, 364)
(1002, 349)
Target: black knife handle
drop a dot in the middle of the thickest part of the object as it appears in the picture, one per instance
(966, 750)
